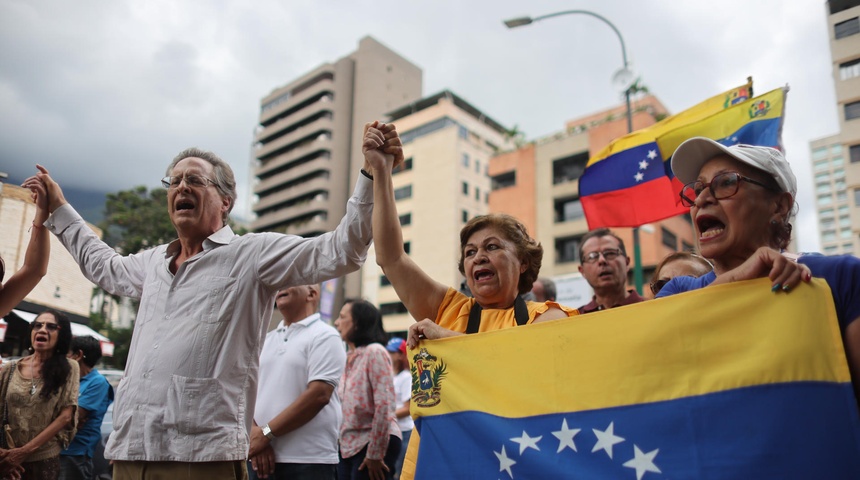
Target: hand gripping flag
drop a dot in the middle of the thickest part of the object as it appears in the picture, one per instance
(729, 381)
(629, 183)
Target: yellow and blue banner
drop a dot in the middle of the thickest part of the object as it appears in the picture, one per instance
(729, 381)
(630, 182)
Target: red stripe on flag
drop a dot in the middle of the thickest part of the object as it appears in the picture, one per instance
(632, 207)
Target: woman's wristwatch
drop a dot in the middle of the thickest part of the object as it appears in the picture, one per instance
(268, 432)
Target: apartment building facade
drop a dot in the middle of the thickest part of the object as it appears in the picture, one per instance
(443, 183)
(540, 182)
(836, 158)
(307, 143)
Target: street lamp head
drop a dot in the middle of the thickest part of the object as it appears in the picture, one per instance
(518, 22)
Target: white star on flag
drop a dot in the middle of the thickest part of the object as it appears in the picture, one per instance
(606, 439)
(642, 462)
(527, 442)
(652, 154)
(639, 176)
(565, 437)
(505, 463)
(643, 164)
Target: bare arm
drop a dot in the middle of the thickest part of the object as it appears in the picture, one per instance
(35, 258)
(16, 456)
(298, 413)
(419, 293)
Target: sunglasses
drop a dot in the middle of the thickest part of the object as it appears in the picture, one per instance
(51, 327)
(658, 285)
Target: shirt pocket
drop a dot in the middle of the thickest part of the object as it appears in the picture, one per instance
(219, 296)
(196, 405)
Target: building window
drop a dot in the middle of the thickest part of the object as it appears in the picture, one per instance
(828, 236)
(405, 219)
(848, 248)
(669, 239)
(486, 197)
(464, 216)
(819, 153)
(854, 153)
(392, 308)
(841, 196)
(857, 197)
(567, 249)
(828, 224)
(406, 165)
(504, 180)
(837, 161)
(568, 168)
(847, 28)
(828, 212)
(407, 247)
(837, 149)
(465, 160)
(686, 247)
(465, 188)
(823, 177)
(830, 249)
(477, 194)
(403, 193)
(852, 110)
(839, 173)
(821, 165)
(843, 210)
(568, 209)
(477, 166)
(845, 234)
(384, 281)
(845, 221)
(825, 199)
(462, 132)
(822, 188)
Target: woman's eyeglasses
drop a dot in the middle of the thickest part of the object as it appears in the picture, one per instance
(52, 327)
(722, 186)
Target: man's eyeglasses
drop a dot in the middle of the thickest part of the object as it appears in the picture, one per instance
(722, 186)
(658, 285)
(52, 327)
(196, 181)
(609, 255)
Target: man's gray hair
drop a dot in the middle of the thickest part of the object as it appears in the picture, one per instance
(224, 179)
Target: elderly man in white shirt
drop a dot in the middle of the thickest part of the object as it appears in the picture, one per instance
(185, 404)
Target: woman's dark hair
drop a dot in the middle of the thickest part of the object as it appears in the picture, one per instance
(90, 347)
(528, 249)
(366, 323)
(55, 371)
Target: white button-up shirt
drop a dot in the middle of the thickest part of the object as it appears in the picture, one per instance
(190, 382)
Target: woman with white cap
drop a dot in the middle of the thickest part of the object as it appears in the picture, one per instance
(741, 199)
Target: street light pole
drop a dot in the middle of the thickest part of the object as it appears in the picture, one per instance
(522, 21)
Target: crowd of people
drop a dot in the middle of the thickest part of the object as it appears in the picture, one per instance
(208, 392)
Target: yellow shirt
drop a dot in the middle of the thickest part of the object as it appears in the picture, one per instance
(454, 315)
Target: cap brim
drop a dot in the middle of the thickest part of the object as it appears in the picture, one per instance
(689, 157)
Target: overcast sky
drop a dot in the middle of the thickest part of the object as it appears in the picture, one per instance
(105, 93)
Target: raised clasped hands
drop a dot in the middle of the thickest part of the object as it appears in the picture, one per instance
(46, 192)
(381, 146)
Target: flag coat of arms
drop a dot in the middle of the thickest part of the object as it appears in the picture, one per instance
(729, 381)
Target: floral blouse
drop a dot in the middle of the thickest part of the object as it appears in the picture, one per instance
(366, 391)
(29, 414)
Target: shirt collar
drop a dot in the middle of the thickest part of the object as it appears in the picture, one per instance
(222, 237)
(305, 322)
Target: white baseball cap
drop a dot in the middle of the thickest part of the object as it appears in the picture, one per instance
(691, 155)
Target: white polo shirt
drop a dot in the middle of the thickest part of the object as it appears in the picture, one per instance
(292, 357)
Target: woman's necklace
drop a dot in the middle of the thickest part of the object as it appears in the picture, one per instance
(33, 385)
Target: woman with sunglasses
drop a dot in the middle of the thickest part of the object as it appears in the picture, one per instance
(41, 398)
(678, 264)
(741, 199)
(35, 258)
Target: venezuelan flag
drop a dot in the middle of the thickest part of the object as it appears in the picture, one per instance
(757, 121)
(629, 182)
(729, 381)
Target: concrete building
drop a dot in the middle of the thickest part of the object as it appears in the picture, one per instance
(442, 184)
(836, 159)
(63, 288)
(307, 143)
(538, 183)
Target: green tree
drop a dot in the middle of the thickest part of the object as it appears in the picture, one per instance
(137, 219)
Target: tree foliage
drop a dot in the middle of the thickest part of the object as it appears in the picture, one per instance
(137, 219)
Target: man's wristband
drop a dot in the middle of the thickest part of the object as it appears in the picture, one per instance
(364, 172)
(268, 432)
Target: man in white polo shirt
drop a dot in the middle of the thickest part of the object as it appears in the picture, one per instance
(298, 412)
